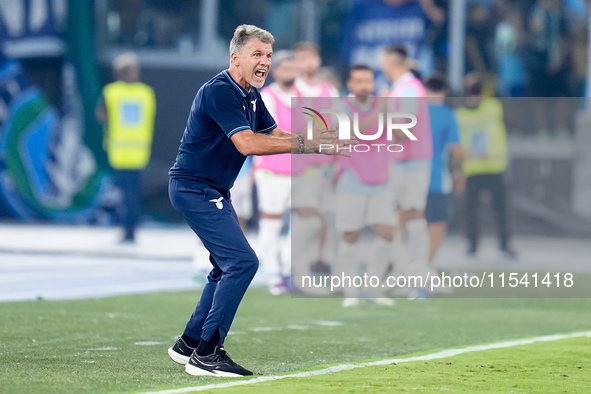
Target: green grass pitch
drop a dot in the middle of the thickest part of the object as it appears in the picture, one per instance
(118, 345)
(556, 367)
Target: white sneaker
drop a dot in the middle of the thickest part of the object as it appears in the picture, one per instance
(350, 302)
(384, 301)
(419, 294)
(278, 289)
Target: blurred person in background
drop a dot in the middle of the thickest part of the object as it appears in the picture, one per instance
(484, 139)
(128, 12)
(575, 12)
(479, 36)
(509, 45)
(308, 62)
(446, 174)
(579, 60)
(273, 178)
(549, 66)
(411, 168)
(330, 76)
(318, 203)
(145, 23)
(170, 19)
(127, 108)
(363, 197)
(437, 36)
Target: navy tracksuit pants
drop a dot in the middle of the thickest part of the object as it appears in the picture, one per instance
(234, 262)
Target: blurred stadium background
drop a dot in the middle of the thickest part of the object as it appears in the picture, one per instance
(56, 170)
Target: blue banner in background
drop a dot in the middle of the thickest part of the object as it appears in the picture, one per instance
(33, 28)
(372, 25)
(46, 170)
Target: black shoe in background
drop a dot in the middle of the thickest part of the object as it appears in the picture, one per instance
(320, 267)
(509, 253)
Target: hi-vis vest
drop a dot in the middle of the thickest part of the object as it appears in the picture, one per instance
(483, 133)
(131, 108)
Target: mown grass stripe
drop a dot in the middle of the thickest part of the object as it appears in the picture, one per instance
(344, 367)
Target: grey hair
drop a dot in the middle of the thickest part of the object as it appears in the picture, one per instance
(283, 56)
(244, 33)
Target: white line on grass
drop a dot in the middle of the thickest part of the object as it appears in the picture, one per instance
(261, 329)
(344, 367)
(328, 323)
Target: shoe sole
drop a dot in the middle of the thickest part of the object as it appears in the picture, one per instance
(196, 371)
(177, 357)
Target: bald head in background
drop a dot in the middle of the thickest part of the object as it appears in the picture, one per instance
(126, 67)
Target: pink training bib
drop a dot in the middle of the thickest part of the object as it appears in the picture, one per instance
(301, 163)
(422, 149)
(370, 167)
(278, 164)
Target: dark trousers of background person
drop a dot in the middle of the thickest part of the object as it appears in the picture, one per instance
(475, 185)
(130, 209)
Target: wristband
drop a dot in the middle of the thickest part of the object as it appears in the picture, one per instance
(302, 146)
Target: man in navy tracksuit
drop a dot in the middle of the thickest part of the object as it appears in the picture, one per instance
(228, 121)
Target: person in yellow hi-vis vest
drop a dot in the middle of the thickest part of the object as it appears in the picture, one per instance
(484, 139)
(127, 107)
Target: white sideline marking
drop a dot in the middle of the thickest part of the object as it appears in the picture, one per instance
(345, 367)
(148, 343)
(328, 323)
(297, 327)
(261, 329)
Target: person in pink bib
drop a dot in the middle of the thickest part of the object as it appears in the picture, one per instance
(273, 178)
(312, 191)
(411, 168)
(363, 195)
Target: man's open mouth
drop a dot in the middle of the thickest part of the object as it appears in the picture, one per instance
(261, 73)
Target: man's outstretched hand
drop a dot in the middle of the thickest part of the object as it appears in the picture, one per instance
(327, 142)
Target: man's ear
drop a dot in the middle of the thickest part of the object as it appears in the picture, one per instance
(235, 58)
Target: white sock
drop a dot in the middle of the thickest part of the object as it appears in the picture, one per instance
(348, 265)
(285, 254)
(329, 251)
(377, 265)
(399, 255)
(269, 231)
(417, 236)
(418, 247)
(304, 243)
(379, 257)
